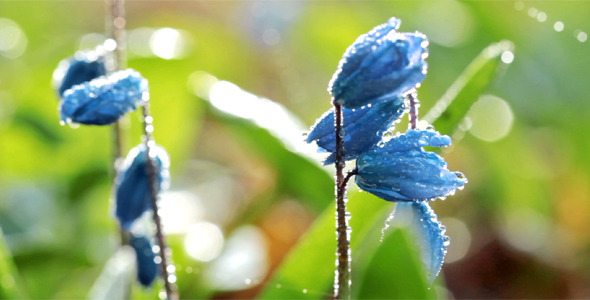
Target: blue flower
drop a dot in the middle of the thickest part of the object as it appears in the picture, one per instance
(147, 269)
(133, 194)
(379, 65)
(104, 99)
(364, 128)
(83, 66)
(400, 170)
(432, 239)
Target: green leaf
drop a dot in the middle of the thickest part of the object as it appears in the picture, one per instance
(316, 249)
(115, 280)
(9, 279)
(467, 88)
(275, 135)
(394, 271)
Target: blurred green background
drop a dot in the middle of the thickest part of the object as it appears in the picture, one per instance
(246, 192)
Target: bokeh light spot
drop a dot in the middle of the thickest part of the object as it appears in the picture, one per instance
(491, 118)
(204, 241)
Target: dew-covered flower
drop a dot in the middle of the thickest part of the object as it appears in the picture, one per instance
(431, 234)
(133, 193)
(147, 269)
(103, 100)
(363, 128)
(401, 170)
(379, 65)
(83, 66)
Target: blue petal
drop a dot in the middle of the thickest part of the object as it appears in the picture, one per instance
(414, 139)
(400, 170)
(378, 66)
(133, 195)
(430, 232)
(103, 100)
(363, 127)
(83, 66)
(147, 269)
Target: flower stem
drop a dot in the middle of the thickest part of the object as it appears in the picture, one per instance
(115, 10)
(413, 111)
(165, 263)
(342, 281)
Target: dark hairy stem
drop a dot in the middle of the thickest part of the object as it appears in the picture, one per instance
(413, 111)
(115, 11)
(342, 280)
(169, 277)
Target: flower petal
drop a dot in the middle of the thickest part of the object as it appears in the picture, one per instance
(133, 194)
(379, 65)
(363, 127)
(83, 66)
(400, 170)
(104, 99)
(147, 269)
(432, 239)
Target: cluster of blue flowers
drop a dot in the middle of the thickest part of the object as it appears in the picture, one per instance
(90, 96)
(376, 75)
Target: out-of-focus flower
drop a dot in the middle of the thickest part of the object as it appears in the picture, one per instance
(103, 100)
(432, 239)
(379, 65)
(400, 169)
(83, 66)
(133, 193)
(363, 127)
(147, 269)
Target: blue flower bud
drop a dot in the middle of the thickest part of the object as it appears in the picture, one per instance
(432, 239)
(133, 193)
(363, 127)
(379, 65)
(400, 170)
(83, 66)
(104, 99)
(147, 269)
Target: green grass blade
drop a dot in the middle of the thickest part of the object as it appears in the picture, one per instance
(448, 112)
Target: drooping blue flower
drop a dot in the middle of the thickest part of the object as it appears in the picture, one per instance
(363, 127)
(433, 241)
(379, 65)
(83, 66)
(133, 194)
(103, 100)
(400, 169)
(147, 269)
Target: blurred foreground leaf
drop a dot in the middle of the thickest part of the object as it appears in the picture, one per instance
(9, 288)
(467, 88)
(276, 136)
(316, 249)
(394, 271)
(115, 280)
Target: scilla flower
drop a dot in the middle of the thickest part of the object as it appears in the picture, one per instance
(364, 128)
(83, 66)
(147, 269)
(103, 100)
(133, 194)
(379, 65)
(400, 169)
(431, 234)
